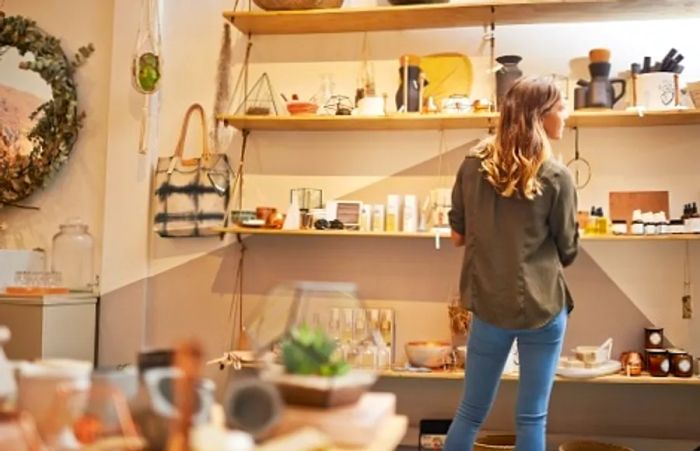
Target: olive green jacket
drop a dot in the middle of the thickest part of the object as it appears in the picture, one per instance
(514, 248)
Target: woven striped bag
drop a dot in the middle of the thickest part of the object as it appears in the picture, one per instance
(191, 196)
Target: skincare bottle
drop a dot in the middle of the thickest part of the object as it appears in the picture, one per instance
(410, 213)
(378, 218)
(393, 207)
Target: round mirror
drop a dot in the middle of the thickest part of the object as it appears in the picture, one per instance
(39, 118)
(21, 95)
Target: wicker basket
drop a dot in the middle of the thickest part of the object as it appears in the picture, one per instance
(280, 5)
(591, 446)
(495, 443)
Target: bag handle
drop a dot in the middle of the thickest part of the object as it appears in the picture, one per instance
(179, 149)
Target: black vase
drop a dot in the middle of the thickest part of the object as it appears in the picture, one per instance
(507, 74)
(413, 89)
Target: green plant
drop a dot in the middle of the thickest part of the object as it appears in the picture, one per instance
(309, 350)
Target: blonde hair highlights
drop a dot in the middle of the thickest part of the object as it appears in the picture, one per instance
(511, 161)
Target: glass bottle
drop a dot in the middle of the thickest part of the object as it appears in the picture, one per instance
(334, 331)
(601, 222)
(592, 223)
(73, 250)
(383, 357)
(386, 329)
(346, 334)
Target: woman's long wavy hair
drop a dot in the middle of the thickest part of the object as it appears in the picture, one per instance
(512, 160)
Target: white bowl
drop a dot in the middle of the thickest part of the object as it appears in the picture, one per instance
(429, 354)
(461, 352)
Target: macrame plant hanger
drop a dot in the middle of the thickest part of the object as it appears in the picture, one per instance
(687, 300)
(489, 38)
(238, 339)
(147, 64)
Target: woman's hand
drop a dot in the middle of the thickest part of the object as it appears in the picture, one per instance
(457, 238)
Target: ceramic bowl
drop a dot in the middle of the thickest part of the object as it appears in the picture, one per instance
(264, 212)
(296, 107)
(495, 442)
(240, 216)
(429, 354)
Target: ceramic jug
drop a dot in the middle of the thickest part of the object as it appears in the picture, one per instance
(601, 91)
(507, 74)
(7, 379)
(409, 89)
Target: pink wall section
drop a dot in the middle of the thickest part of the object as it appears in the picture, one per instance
(194, 300)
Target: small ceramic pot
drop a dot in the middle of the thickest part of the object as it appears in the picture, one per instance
(632, 363)
(275, 221)
(653, 337)
(681, 363)
(264, 212)
(658, 362)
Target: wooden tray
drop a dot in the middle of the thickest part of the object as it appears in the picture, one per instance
(34, 291)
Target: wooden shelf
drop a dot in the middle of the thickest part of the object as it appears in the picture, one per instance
(608, 118)
(329, 233)
(644, 379)
(456, 15)
(604, 118)
(412, 121)
(676, 237)
(357, 234)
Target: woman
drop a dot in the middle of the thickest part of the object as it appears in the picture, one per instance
(514, 211)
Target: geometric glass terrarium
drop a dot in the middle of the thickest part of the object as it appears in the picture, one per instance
(326, 345)
(333, 307)
(260, 100)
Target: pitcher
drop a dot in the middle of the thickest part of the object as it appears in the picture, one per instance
(601, 91)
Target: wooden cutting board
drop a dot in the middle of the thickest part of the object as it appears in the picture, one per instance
(623, 203)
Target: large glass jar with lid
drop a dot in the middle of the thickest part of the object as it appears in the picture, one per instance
(72, 256)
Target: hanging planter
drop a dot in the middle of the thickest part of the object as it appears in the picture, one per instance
(147, 65)
(146, 72)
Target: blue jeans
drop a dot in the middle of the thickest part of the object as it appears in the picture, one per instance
(538, 352)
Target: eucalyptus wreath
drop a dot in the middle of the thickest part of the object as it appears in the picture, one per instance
(59, 119)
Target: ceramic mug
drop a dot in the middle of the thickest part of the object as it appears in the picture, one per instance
(657, 90)
(55, 393)
(370, 106)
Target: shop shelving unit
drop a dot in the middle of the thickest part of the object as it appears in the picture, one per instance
(480, 13)
(505, 12)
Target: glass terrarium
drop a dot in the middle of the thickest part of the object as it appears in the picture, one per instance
(333, 308)
(325, 341)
